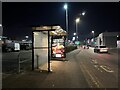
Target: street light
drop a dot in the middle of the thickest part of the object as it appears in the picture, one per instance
(93, 32)
(1, 32)
(73, 38)
(74, 34)
(66, 9)
(0, 25)
(65, 6)
(1, 29)
(83, 13)
(26, 37)
(77, 21)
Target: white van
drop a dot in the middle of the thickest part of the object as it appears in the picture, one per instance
(16, 47)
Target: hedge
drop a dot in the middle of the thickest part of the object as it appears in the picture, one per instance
(70, 48)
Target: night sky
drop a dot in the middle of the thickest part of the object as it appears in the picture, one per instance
(17, 18)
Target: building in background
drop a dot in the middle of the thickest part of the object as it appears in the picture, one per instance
(108, 39)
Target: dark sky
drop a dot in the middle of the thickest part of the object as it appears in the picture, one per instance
(17, 18)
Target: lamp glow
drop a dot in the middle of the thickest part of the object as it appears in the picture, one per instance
(77, 20)
(74, 34)
(92, 31)
(0, 25)
(65, 6)
(83, 13)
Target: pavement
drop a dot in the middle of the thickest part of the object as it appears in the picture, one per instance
(64, 75)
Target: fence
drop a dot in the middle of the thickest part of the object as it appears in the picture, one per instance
(24, 58)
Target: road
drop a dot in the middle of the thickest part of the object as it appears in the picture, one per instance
(99, 69)
(84, 69)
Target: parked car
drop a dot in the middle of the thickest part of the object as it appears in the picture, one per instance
(10, 45)
(100, 49)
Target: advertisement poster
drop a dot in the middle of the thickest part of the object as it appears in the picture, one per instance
(58, 48)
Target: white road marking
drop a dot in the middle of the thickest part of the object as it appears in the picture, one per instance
(96, 65)
(99, 69)
(107, 69)
(93, 77)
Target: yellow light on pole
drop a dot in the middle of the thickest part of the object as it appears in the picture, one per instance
(66, 9)
(77, 20)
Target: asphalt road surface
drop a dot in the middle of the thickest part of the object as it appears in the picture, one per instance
(100, 69)
(84, 69)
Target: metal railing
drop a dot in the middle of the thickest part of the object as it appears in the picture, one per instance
(24, 57)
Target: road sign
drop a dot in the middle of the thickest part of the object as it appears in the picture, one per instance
(77, 42)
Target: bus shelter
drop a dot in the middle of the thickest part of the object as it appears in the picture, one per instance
(46, 40)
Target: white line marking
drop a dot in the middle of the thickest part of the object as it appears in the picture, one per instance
(93, 78)
(107, 69)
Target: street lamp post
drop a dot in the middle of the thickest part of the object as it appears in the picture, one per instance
(66, 10)
(0, 25)
(93, 34)
(73, 38)
(83, 13)
(1, 30)
(26, 38)
(77, 21)
(74, 34)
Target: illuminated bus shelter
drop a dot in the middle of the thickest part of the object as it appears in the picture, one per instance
(48, 43)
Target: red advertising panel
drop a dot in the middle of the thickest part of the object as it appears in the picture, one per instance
(58, 47)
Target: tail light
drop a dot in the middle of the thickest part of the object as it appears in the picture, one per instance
(100, 48)
(107, 48)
